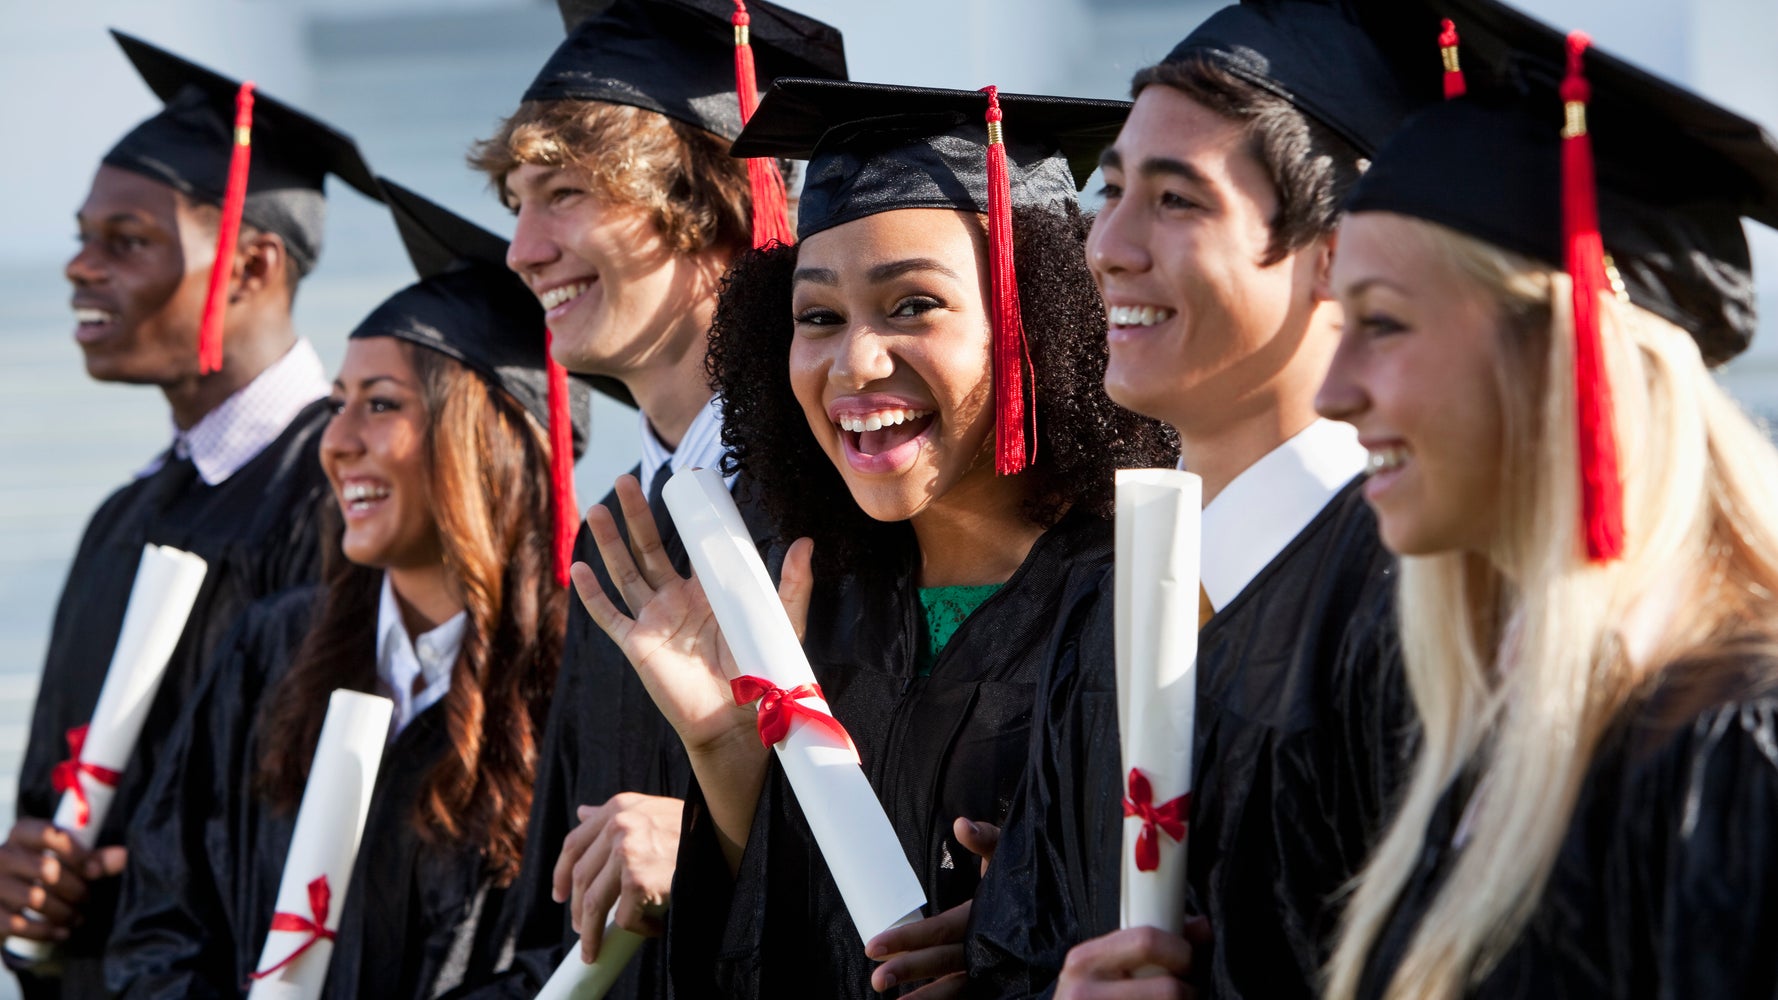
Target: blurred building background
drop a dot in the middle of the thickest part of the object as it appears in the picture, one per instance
(415, 81)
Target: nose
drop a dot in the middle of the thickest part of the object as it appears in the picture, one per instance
(340, 440)
(533, 246)
(1342, 395)
(1118, 241)
(82, 269)
(861, 357)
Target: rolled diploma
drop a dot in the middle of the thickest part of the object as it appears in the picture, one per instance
(329, 825)
(1158, 534)
(578, 980)
(166, 586)
(849, 825)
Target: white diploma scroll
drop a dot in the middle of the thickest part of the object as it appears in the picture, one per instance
(324, 845)
(1159, 522)
(577, 980)
(166, 585)
(849, 825)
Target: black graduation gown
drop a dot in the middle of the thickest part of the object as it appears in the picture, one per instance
(604, 736)
(209, 851)
(934, 748)
(1666, 884)
(258, 530)
(1300, 740)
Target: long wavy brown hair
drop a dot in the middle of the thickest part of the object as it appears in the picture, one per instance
(488, 465)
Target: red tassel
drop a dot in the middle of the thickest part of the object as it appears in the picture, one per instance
(234, 199)
(771, 204)
(1011, 355)
(561, 463)
(1602, 488)
(1447, 48)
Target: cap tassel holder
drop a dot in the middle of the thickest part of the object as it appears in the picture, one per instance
(1602, 489)
(561, 464)
(1012, 357)
(234, 201)
(771, 204)
(1447, 48)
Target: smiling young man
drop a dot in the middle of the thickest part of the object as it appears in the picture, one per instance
(239, 484)
(1212, 252)
(629, 209)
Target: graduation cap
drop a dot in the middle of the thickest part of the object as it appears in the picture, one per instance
(469, 307)
(1582, 161)
(262, 161)
(1316, 54)
(877, 148)
(698, 61)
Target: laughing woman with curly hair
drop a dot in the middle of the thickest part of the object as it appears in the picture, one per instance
(858, 373)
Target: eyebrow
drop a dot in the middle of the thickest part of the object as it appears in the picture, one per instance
(1361, 286)
(814, 276)
(365, 383)
(537, 181)
(1156, 166)
(879, 274)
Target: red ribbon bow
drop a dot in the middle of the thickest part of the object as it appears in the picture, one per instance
(314, 925)
(66, 775)
(778, 707)
(1169, 816)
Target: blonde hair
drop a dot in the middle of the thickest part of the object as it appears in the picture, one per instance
(1521, 660)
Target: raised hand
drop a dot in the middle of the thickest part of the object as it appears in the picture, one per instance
(679, 652)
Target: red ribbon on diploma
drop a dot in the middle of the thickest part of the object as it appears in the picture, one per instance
(1169, 816)
(66, 775)
(314, 925)
(778, 707)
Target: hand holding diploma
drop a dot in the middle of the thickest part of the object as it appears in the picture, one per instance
(53, 885)
(697, 671)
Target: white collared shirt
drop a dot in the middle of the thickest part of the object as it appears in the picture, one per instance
(1271, 502)
(700, 448)
(228, 437)
(414, 673)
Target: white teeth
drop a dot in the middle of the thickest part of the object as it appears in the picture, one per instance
(93, 316)
(1138, 315)
(556, 296)
(1385, 459)
(363, 492)
(876, 421)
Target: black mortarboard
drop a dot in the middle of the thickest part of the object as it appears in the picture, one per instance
(188, 146)
(1314, 54)
(677, 57)
(470, 307)
(876, 147)
(1675, 173)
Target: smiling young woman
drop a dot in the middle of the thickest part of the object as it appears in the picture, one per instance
(858, 372)
(1587, 526)
(440, 591)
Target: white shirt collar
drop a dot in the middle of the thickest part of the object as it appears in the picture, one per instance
(228, 437)
(401, 660)
(700, 448)
(1271, 502)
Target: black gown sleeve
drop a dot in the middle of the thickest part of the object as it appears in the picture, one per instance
(189, 842)
(1053, 881)
(1691, 874)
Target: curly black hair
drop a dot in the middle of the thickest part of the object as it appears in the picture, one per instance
(1083, 437)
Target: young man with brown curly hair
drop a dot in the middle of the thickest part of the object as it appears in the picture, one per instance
(629, 209)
